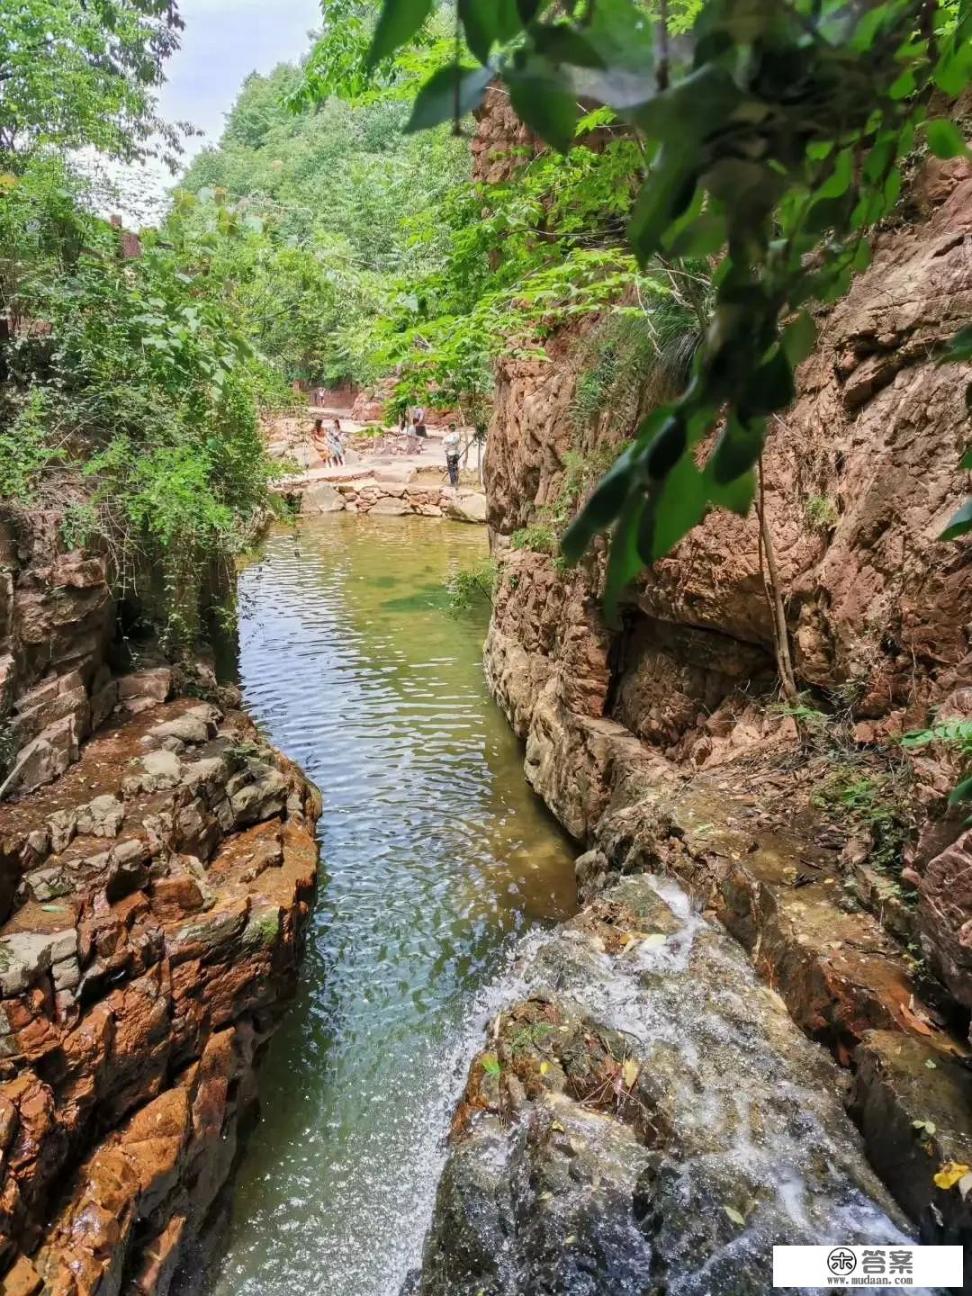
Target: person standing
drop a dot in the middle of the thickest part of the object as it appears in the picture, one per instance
(337, 443)
(322, 442)
(452, 445)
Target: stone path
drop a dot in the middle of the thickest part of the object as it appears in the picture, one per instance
(385, 484)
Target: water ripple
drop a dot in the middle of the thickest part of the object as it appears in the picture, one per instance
(439, 860)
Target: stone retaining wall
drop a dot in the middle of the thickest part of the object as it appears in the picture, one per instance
(391, 499)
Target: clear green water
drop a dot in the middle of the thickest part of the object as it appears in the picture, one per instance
(438, 858)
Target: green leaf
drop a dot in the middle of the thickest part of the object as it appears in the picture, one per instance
(838, 182)
(625, 475)
(561, 44)
(665, 194)
(549, 111)
(486, 22)
(675, 507)
(667, 448)
(478, 23)
(512, 16)
(398, 22)
(904, 86)
(944, 138)
(799, 337)
(960, 523)
(960, 347)
(862, 257)
(738, 448)
(450, 92)
(702, 237)
(625, 560)
(953, 73)
(961, 792)
(737, 496)
(827, 213)
(491, 1065)
(770, 387)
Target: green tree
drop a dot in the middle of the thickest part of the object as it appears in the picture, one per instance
(73, 73)
(774, 140)
(323, 219)
(137, 400)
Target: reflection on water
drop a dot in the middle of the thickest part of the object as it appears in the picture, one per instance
(437, 858)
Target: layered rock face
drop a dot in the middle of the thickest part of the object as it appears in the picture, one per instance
(154, 889)
(56, 622)
(661, 746)
(860, 478)
(160, 891)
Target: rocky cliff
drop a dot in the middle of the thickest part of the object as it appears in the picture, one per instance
(859, 478)
(157, 864)
(805, 830)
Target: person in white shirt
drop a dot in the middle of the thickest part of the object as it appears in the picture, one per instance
(452, 445)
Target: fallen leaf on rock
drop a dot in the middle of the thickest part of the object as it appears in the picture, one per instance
(950, 1174)
(735, 1216)
(914, 1020)
(491, 1064)
(630, 1072)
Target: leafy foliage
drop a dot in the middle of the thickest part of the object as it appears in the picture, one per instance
(775, 147)
(26, 449)
(138, 392)
(870, 803)
(75, 74)
(539, 537)
(954, 734)
(327, 220)
(471, 587)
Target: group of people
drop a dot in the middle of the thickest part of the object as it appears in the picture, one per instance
(329, 442)
(413, 428)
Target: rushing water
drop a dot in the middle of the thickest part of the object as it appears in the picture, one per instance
(438, 858)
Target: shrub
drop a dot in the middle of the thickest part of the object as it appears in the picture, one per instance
(539, 537)
(472, 586)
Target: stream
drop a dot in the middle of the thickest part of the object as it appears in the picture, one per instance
(438, 861)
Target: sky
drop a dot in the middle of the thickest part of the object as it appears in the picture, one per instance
(223, 42)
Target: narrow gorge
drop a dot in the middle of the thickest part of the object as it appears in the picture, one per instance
(380, 914)
(654, 1099)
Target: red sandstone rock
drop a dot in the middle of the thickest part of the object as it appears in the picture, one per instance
(146, 1023)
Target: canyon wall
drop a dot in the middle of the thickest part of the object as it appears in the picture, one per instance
(157, 867)
(860, 477)
(806, 831)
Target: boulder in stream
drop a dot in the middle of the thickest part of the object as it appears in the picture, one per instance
(646, 1119)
